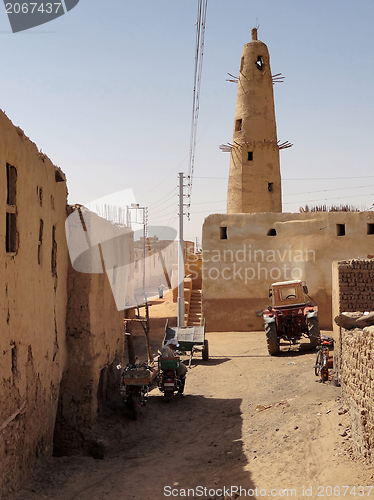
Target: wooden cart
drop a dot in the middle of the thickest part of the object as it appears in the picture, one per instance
(190, 339)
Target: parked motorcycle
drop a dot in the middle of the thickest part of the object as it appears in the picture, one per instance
(168, 380)
(135, 387)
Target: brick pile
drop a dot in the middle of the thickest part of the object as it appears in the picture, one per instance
(356, 285)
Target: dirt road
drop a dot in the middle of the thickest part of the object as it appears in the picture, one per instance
(214, 437)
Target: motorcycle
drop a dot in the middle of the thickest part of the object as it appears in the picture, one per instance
(168, 380)
(135, 387)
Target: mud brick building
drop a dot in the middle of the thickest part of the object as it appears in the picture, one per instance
(255, 244)
(353, 284)
(33, 279)
(61, 332)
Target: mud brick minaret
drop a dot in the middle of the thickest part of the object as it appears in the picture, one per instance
(254, 179)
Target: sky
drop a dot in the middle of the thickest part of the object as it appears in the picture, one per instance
(106, 92)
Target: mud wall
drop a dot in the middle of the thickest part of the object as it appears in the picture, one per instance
(33, 301)
(356, 375)
(95, 345)
(244, 253)
(353, 286)
(353, 291)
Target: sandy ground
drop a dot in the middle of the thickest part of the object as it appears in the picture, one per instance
(214, 437)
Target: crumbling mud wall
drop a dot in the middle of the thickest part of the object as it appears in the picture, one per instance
(353, 294)
(33, 301)
(244, 253)
(356, 375)
(95, 345)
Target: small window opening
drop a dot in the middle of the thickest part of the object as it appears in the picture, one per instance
(242, 64)
(340, 229)
(270, 187)
(41, 196)
(14, 359)
(40, 240)
(11, 210)
(54, 253)
(370, 229)
(59, 177)
(272, 232)
(259, 63)
(11, 184)
(11, 233)
(250, 155)
(223, 233)
(238, 125)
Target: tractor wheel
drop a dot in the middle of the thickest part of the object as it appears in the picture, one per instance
(205, 352)
(272, 338)
(314, 331)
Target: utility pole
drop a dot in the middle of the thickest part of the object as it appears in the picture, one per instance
(180, 256)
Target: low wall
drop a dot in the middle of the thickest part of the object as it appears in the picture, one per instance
(356, 375)
(353, 291)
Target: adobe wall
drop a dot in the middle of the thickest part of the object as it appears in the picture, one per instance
(95, 345)
(353, 285)
(356, 375)
(33, 299)
(244, 253)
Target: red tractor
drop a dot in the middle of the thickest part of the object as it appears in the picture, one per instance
(292, 315)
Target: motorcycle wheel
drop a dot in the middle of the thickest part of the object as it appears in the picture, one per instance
(133, 413)
(318, 365)
(314, 331)
(167, 396)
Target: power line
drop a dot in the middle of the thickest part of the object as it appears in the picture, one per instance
(326, 190)
(329, 199)
(163, 209)
(301, 179)
(165, 215)
(157, 202)
(200, 35)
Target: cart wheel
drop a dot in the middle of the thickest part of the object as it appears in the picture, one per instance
(205, 352)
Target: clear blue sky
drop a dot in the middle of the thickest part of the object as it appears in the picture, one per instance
(106, 92)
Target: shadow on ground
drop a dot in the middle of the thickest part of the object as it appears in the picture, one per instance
(188, 444)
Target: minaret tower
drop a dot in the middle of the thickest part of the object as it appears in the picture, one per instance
(254, 179)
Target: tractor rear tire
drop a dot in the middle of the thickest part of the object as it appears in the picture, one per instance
(314, 331)
(272, 338)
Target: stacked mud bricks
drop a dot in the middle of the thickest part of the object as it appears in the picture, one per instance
(356, 285)
(353, 284)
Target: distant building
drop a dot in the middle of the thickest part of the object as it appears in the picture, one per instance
(254, 244)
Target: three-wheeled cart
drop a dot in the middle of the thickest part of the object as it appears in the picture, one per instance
(190, 339)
